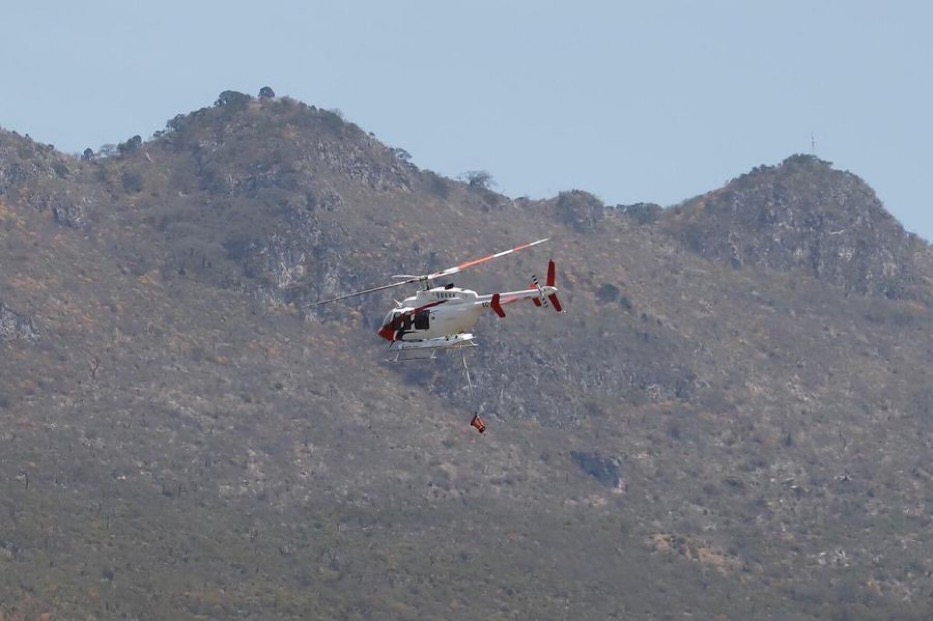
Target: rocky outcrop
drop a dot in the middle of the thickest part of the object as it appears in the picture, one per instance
(606, 470)
(23, 160)
(16, 326)
(581, 210)
(359, 163)
(65, 211)
(35, 175)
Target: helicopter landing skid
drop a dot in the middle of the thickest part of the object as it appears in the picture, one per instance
(407, 351)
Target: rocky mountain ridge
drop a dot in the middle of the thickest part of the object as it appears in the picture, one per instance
(731, 419)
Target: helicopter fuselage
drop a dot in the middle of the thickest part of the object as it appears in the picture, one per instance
(433, 313)
(440, 312)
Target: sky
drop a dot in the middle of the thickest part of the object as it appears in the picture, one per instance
(654, 101)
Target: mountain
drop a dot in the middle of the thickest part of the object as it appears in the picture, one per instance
(732, 420)
(804, 215)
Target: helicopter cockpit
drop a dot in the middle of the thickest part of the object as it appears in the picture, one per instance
(402, 320)
(397, 320)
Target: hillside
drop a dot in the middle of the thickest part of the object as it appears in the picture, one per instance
(732, 418)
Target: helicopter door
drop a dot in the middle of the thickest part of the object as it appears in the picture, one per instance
(422, 320)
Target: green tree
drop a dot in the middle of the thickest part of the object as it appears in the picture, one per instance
(478, 179)
(176, 123)
(266, 92)
(130, 146)
(232, 99)
(401, 154)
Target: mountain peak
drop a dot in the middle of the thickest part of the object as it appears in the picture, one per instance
(801, 214)
(250, 141)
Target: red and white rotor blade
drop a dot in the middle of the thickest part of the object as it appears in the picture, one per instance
(456, 270)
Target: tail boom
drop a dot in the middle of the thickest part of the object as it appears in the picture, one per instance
(539, 295)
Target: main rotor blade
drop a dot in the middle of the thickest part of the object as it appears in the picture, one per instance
(455, 270)
(416, 279)
(374, 289)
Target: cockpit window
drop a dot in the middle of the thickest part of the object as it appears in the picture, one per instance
(399, 319)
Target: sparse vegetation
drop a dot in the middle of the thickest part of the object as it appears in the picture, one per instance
(180, 437)
(232, 99)
(480, 179)
(130, 146)
(643, 213)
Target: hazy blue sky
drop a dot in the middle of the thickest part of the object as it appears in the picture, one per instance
(654, 100)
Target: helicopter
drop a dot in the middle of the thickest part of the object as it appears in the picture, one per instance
(442, 317)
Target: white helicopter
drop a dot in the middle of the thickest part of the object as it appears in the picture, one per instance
(442, 317)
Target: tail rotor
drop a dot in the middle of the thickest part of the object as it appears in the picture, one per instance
(547, 293)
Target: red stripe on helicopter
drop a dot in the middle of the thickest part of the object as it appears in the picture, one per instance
(426, 306)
